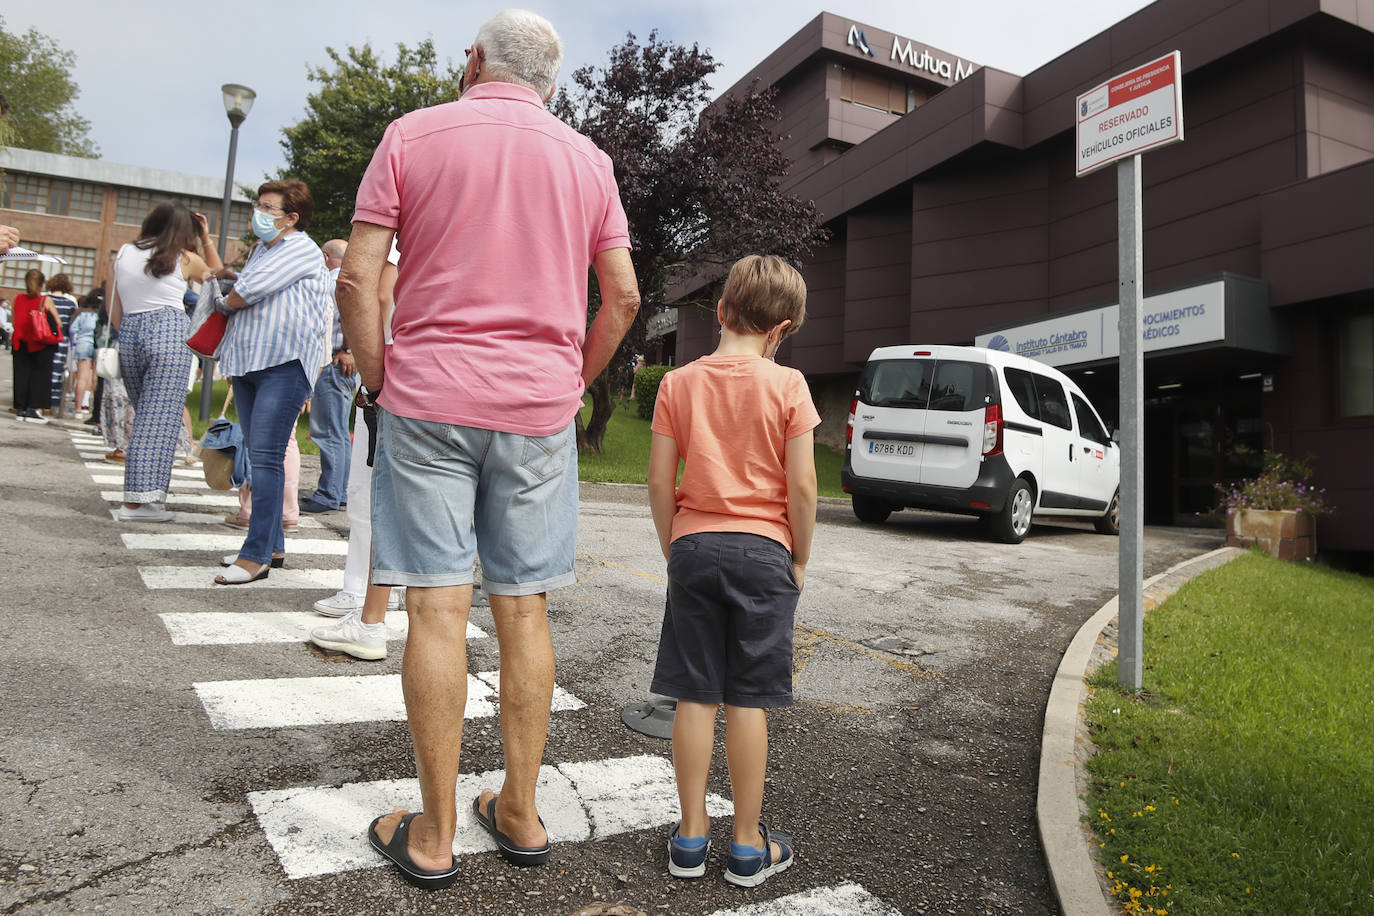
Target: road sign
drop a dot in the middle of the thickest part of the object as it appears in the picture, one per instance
(1131, 113)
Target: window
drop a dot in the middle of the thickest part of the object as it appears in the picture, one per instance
(1054, 407)
(1357, 366)
(959, 386)
(1088, 425)
(877, 92)
(39, 194)
(1022, 387)
(133, 206)
(896, 383)
(80, 266)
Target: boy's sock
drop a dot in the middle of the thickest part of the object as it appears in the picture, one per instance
(691, 842)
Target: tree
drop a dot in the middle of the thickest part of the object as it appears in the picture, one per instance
(330, 147)
(699, 181)
(35, 77)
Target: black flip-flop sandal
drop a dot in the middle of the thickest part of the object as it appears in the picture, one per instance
(397, 854)
(515, 855)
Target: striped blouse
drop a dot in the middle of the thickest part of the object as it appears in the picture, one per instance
(284, 287)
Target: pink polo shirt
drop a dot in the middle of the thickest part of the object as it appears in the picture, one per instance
(500, 208)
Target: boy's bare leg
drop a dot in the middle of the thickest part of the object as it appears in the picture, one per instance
(746, 751)
(694, 737)
(527, 671)
(434, 678)
(374, 602)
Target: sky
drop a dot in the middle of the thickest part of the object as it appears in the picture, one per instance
(150, 70)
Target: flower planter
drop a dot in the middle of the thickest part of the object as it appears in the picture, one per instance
(1283, 533)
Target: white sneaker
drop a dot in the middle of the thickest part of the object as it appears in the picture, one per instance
(352, 637)
(339, 604)
(396, 600)
(148, 512)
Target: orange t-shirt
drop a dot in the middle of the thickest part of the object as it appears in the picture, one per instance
(732, 417)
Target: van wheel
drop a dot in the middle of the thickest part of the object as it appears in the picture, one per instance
(1110, 523)
(1011, 525)
(873, 511)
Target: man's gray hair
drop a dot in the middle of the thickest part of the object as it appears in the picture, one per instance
(521, 47)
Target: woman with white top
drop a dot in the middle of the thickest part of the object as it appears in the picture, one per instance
(150, 279)
(272, 349)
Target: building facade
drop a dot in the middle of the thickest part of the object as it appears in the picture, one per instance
(960, 221)
(82, 210)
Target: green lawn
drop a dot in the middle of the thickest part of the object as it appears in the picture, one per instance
(625, 457)
(1242, 781)
(217, 394)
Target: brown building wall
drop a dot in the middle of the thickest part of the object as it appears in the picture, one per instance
(877, 279)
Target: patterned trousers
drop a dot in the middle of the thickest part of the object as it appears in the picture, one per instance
(154, 362)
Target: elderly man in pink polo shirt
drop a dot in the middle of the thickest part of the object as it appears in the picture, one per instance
(499, 209)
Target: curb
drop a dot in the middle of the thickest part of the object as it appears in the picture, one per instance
(1063, 834)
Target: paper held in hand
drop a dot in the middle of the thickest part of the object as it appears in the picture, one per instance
(24, 254)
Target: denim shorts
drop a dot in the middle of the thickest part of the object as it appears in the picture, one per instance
(85, 348)
(727, 628)
(443, 494)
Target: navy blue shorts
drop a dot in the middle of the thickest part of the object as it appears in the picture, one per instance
(727, 627)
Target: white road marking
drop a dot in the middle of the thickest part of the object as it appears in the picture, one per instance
(236, 628)
(201, 518)
(107, 467)
(323, 830)
(846, 899)
(98, 456)
(301, 701)
(227, 543)
(203, 500)
(203, 577)
(178, 483)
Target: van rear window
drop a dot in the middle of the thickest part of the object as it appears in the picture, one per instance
(897, 382)
(961, 386)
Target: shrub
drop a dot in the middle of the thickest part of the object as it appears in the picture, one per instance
(1282, 484)
(646, 388)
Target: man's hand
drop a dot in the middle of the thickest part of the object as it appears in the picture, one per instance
(9, 237)
(800, 572)
(343, 361)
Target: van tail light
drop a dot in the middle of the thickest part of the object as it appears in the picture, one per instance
(849, 423)
(992, 429)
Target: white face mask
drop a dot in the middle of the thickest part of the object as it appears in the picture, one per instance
(265, 226)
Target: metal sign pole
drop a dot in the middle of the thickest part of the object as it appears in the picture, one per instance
(1131, 565)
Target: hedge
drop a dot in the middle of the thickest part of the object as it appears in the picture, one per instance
(646, 388)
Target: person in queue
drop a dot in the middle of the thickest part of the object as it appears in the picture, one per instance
(487, 188)
(32, 359)
(150, 277)
(271, 348)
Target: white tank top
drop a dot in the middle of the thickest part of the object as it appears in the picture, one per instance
(139, 291)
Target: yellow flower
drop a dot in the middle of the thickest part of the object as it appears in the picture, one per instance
(1124, 858)
(1151, 869)
(1149, 807)
(1235, 855)
(1109, 874)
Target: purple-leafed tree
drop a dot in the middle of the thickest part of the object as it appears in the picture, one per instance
(700, 182)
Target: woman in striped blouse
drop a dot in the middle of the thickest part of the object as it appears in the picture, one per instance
(272, 349)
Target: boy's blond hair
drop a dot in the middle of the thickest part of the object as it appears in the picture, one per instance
(763, 291)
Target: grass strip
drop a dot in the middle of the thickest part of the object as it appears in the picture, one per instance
(1242, 780)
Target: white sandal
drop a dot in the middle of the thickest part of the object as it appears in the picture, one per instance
(229, 559)
(237, 575)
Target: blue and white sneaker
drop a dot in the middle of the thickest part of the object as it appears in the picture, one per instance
(687, 855)
(750, 866)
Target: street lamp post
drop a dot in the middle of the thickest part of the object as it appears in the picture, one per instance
(238, 101)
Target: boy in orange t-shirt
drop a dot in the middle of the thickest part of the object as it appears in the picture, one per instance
(737, 537)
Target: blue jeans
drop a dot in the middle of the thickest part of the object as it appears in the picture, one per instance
(269, 401)
(329, 405)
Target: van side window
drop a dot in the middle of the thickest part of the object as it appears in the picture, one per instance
(1088, 425)
(1054, 407)
(958, 386)
(1023, 390)
(897, 383)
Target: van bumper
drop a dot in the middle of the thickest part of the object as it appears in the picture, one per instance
(990, 489)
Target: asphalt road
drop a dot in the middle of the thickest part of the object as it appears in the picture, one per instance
(907, 768)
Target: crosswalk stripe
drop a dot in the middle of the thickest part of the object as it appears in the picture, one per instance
(201, 577)
(201, 518)
(178, 483)
(227, 543)
(237, 628)
(299, 701)
(846, 899)
(108, 467)
(322, 830)
(204, 500)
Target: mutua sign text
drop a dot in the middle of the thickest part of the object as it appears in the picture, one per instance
(1182, 318)
(918, 57)
(1130, 114)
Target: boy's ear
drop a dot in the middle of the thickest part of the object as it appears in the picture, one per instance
(720, 310)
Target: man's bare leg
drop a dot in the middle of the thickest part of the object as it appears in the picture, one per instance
(527, 671)
(434, 677)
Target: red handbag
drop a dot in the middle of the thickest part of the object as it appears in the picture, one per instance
(44, 331)
(207, 338)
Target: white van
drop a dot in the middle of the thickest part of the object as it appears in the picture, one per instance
(980, 432)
